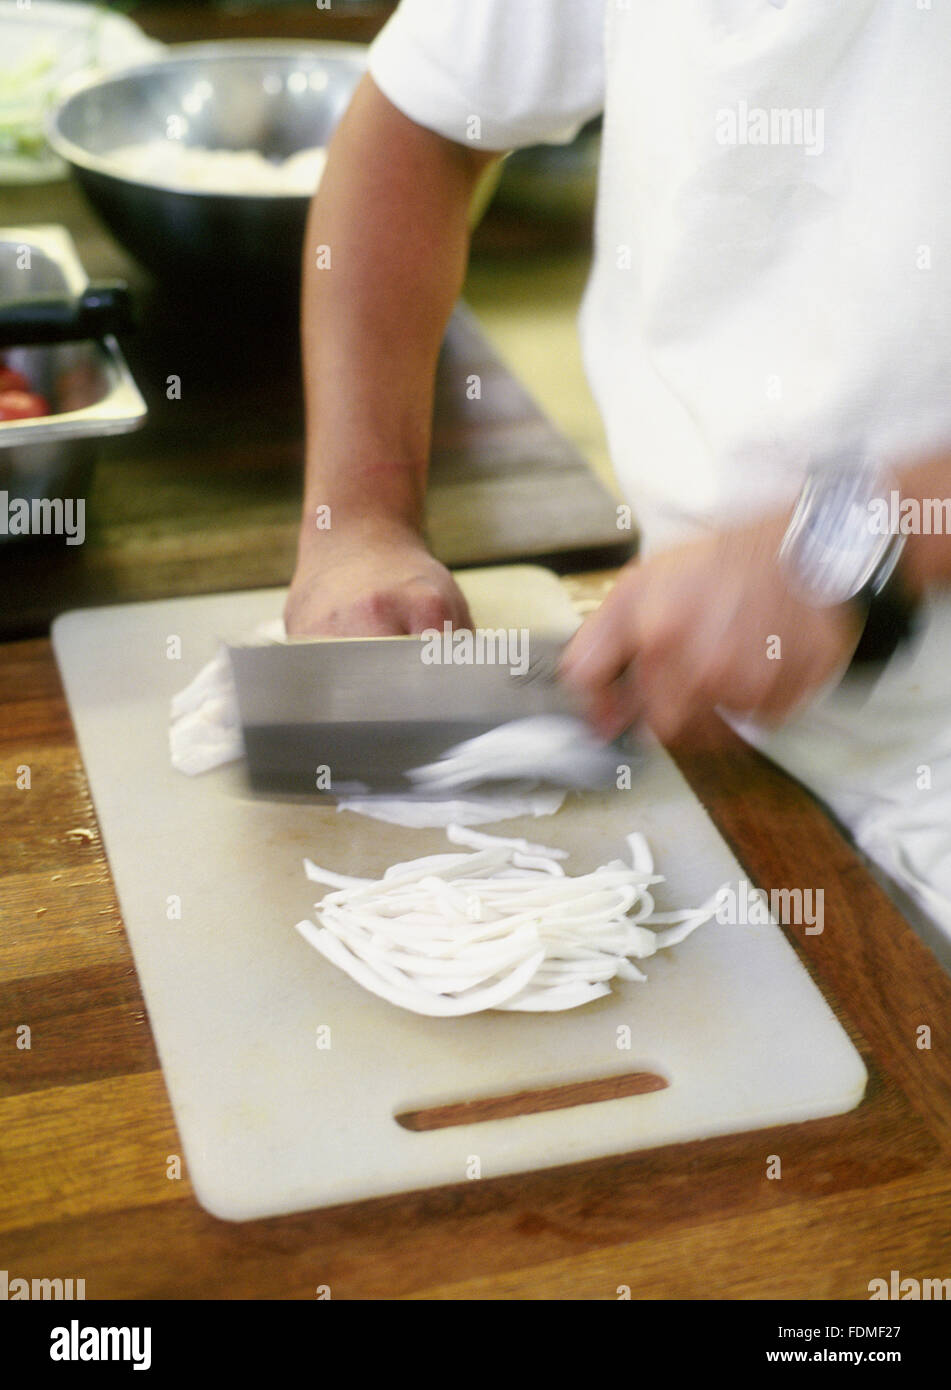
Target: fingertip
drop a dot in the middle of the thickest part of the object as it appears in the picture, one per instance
(574, 668)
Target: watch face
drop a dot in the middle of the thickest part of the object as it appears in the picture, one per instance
(831, 549)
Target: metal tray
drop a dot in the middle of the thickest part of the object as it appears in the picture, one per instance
(88, 384)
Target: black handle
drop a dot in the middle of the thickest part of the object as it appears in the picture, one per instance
(105, 306)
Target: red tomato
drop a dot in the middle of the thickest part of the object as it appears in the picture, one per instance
(22, 405)
(12, 380)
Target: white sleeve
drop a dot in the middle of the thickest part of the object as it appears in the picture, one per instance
(500, 73)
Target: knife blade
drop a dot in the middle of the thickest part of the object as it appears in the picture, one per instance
(355, 715)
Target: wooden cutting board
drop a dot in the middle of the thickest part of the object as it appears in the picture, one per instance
(286, 1077)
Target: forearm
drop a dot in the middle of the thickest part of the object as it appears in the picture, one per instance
(384, 261)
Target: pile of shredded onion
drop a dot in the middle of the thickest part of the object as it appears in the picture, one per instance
(500, 927)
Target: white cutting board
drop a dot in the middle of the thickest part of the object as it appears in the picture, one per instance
(273, 1123)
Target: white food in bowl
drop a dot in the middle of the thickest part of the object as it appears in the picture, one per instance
(195, 169)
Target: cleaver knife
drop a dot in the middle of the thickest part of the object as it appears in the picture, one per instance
(356, 715)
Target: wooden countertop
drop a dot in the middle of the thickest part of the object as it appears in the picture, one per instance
(86, 1129)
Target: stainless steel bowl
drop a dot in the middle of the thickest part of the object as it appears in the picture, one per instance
(271, 96)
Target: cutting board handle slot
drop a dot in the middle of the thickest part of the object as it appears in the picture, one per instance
(467, 1112)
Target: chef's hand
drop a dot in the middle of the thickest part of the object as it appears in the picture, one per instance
(371, 578)
(709, 623)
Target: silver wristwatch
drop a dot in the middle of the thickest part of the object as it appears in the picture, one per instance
(836, 551)
(833, 549)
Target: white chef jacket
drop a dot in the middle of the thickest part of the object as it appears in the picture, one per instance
(771, 285)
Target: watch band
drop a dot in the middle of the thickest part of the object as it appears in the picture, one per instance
(890, 615)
